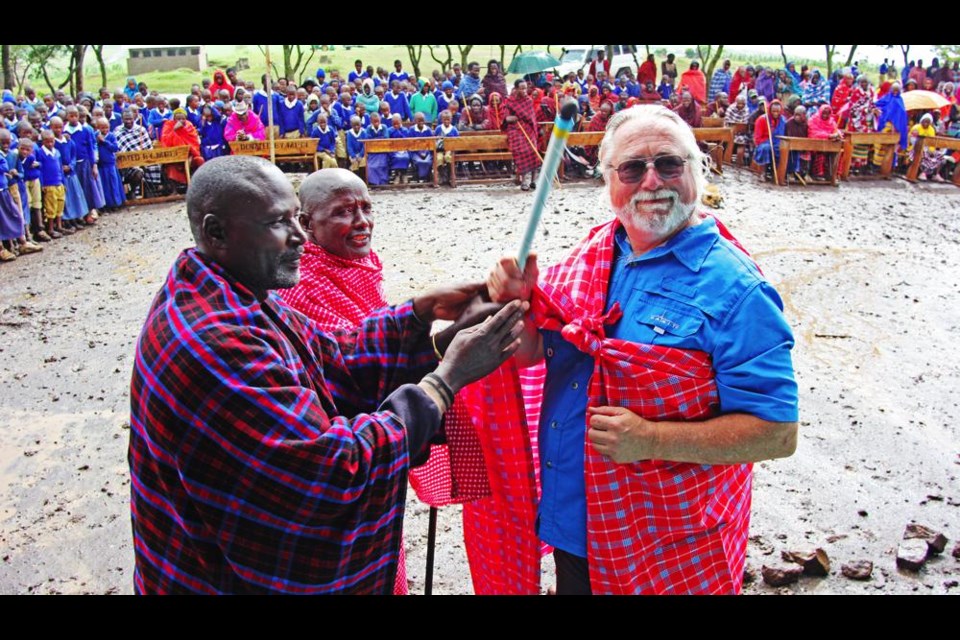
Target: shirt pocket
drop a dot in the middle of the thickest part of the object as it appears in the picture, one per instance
(666, 320)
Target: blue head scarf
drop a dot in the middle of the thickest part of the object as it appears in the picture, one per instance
(892, 110)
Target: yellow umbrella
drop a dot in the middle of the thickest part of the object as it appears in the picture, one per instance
(919, 99)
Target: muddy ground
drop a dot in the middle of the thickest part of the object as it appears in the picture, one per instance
(869, 273)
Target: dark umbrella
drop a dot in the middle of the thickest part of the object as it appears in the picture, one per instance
(532, 62)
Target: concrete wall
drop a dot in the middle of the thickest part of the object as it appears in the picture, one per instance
(159, 59)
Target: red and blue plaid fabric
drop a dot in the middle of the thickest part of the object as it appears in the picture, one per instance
(653, 526)
(259, 461)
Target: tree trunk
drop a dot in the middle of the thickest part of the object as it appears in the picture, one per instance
(98, 52)
(853, 50)
(79, 51)
(465, 52)
(905, 48)
(783, 54)
(287, 54)
(8, 75)
(503, 54)
(713, 62)
(443, 63)
(647, 47)
(415, 52)
(830, 49)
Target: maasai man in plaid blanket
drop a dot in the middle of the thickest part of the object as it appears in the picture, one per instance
(341, 283)
(520, 123)
(668, 373)
(267, 456)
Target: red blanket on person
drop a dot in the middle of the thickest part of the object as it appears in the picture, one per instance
(338, 294)
(184, 136)
(653, 526)
(695, 82)
(522, 134)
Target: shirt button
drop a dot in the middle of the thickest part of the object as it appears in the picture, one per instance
(574, 385)
(554, 425)
(549, 352)
(549, 465)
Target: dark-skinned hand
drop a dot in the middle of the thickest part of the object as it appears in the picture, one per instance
(449, 302)
(479, 350)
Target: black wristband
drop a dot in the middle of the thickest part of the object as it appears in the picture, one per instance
(441, 386)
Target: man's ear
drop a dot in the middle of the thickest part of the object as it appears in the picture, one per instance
(214, 231)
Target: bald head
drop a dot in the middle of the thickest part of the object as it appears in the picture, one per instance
(337, 212)
(319, 186)
(227, 186)
(243, 214)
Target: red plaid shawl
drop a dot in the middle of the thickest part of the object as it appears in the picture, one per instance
(523, 147)
(338, 294)
(654, 526)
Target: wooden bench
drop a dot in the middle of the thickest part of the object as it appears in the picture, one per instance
(478, 148)
(937, 142)
(286, 150)
(888, 141)
(390, 145)
(720, 136)
(711, 121)
(158, 155)
(788, 144)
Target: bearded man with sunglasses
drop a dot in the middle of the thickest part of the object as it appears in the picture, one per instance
(668, 373)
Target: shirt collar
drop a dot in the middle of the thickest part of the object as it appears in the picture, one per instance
(690, 247)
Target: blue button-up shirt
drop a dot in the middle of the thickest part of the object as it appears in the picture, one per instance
(696, 291)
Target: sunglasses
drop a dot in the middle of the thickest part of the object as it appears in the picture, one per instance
(667, 167)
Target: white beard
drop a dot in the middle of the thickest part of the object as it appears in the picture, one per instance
(659, 224)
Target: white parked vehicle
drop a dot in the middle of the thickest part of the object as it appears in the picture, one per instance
(577, 56)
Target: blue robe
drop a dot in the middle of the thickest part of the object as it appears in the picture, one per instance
(355, 148)
(327, 141)
(11, 217)
(399, 160)
(761, 154)
(115, 120)
(76, 202)
(85, 139)
(260, 106)
(211, 137)
(156, 119)
(399, 104)
(422, 160)
(291, 118)
(378, 164)
(193, 117)
(109, 175)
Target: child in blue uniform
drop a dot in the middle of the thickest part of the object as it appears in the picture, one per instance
(85, 140)
(327, 142)
(51, 182)
(422, 160)
(211, 134)
(378, 164)
(399, 160)
(75, 206)
(445, 159)
(356, 152)
(107, 164)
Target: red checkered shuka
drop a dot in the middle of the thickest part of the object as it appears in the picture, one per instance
(339, 293)
(523, 147)
(653, 526)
